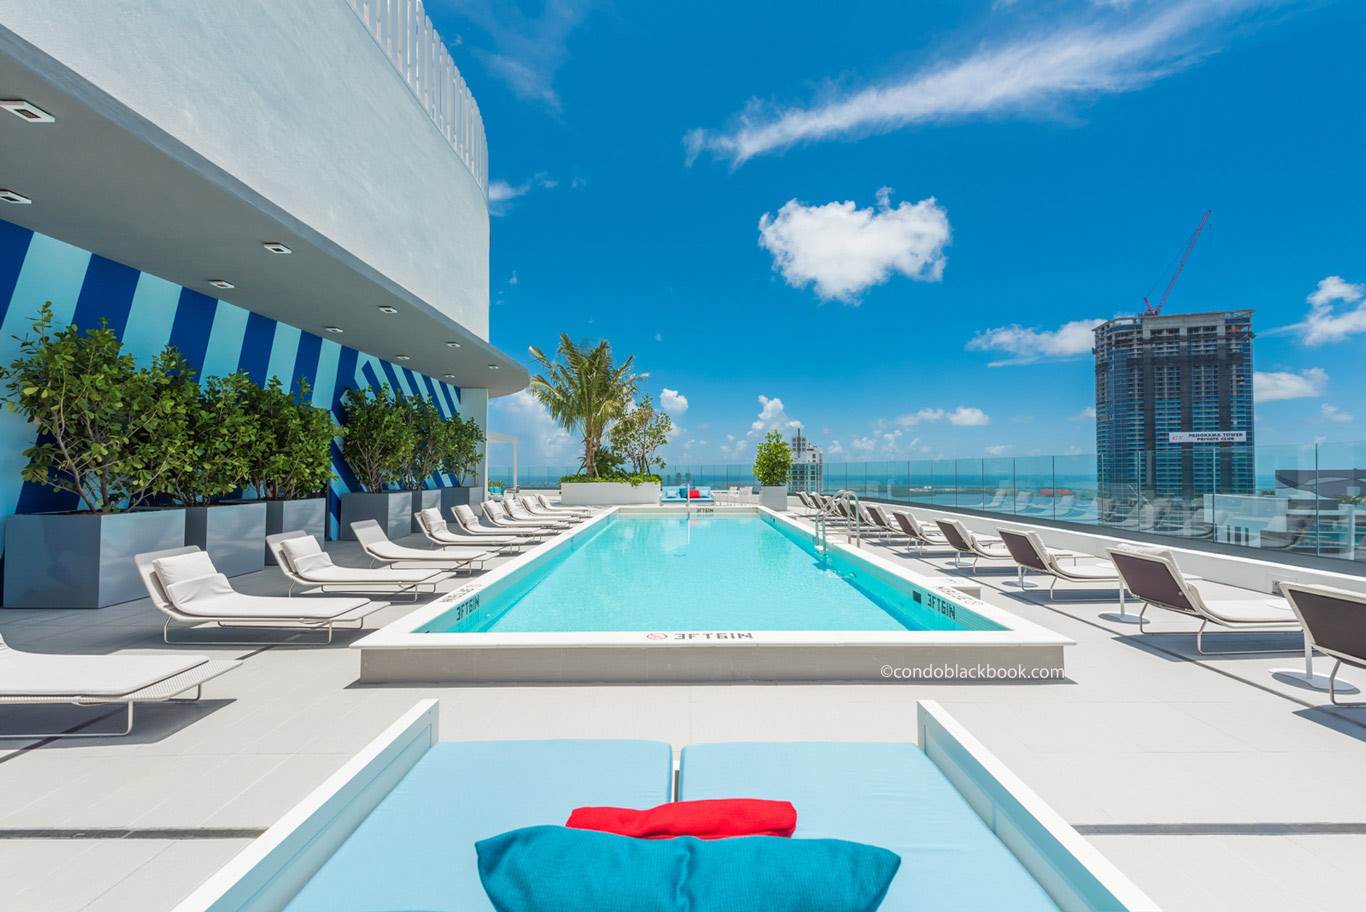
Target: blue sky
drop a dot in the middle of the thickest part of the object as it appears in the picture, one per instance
(889, 224)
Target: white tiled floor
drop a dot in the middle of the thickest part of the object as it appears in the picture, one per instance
(1138, 734)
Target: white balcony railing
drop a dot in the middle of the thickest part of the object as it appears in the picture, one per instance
(405, 34)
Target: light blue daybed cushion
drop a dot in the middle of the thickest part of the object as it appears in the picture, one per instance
(887, 795)
(416, 849)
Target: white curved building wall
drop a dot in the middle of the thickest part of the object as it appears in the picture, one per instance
(298, 101)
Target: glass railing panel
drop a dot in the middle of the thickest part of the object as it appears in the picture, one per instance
(1075, 489)
(1278, 510)
(998, 485)
(1035, 489)
(967, 481)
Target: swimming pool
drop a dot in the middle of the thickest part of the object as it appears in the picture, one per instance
(696, 573)
(722, 593)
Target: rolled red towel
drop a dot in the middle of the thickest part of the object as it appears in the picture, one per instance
(713, 819)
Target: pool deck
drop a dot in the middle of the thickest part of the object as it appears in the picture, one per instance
(1208, 782)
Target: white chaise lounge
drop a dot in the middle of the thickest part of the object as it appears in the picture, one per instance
(516, 511)
(305, 564)
(185, 586)
(436, 531)
(378, 546)
(101, 680)
(494, 513)
(479, 533)
(561, 508)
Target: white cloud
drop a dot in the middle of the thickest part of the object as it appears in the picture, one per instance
(1323, 324)
(963, 416)
(673, 402)
(1333, 413)
(998, 449)
(1086, 414)
(659, 337)
(844, 250)
(527, 50)
(772, 417)
(834, 449)
(968, 417)
(1027, 346)
(512, 279)
(1270, 386)
(502, 193)
(540, 440)
(1034, 74)
(914, 418)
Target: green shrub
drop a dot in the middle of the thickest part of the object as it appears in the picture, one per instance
(632, 480)
(294, 455)
(222, 440)
(462, 443)
(379, 441)
(638, 435)
(772, 460)
(430, 432)
(107, 431)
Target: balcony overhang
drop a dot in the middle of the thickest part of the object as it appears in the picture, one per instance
(103, 178)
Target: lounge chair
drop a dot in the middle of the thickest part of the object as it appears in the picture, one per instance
(478, 533)
(963, 542)
(1334, 623)
(438, 532)
(378, 546)
(534, 510)
(877, 525)
(101, 680)
(561, 508)
(498, 518)
(186, 587)
(513, 510)
(1030, 553)
(1154, 577)
(918, 535)
(304, 563)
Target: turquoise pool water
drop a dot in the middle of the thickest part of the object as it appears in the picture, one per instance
(699, 573)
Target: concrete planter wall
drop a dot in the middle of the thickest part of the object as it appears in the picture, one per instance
(456, 497)
(308, 515)
(423, 500)
(774, 497)
(608, 493)
(234, 535)
(83, 560)
(393, 510)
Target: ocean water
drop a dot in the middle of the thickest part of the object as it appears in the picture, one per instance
(701, 573)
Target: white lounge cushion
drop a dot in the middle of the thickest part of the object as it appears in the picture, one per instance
(334, 574)
(213, 597)
(387, 550)
(182, 567)
(305, 554)
(35, 675)
(1251, 611)
(1088, 571)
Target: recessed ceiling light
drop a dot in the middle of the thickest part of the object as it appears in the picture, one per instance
(276, 247)
(450, 376)
(452, 344)
(11, 196)
(387, 309)
(221, 283)
(493, 367)
(334, 330)
(26, 111)
(403, 357)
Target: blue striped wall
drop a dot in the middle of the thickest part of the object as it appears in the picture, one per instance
(214, 336)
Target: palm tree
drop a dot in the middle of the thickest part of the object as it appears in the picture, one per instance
(583, 390)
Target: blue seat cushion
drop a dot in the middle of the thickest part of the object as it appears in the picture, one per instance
(555, 869)
(883, 794)
(415, 850)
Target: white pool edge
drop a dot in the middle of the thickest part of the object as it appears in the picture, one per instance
(399, 653)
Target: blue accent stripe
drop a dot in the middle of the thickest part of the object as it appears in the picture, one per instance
(325, 377)
(106, 293)
(282, 351)
(305, 361)
(394, 383)
(258, 336)
(225, 340)
(14, 243)
(346, 368)
(193, 324)
(373, 381)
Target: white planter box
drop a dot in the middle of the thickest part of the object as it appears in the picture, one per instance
(608, 494)
(774, 497)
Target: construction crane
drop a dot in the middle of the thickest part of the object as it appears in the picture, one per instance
(1148, 309)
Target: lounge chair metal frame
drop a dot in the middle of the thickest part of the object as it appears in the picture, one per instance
(347, 620)
(1301, 597)
(1195, 606)
(968, 543)
(297, 579)
(167, 690)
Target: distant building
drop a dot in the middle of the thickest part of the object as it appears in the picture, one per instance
(1173, 411)
(808, 468)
